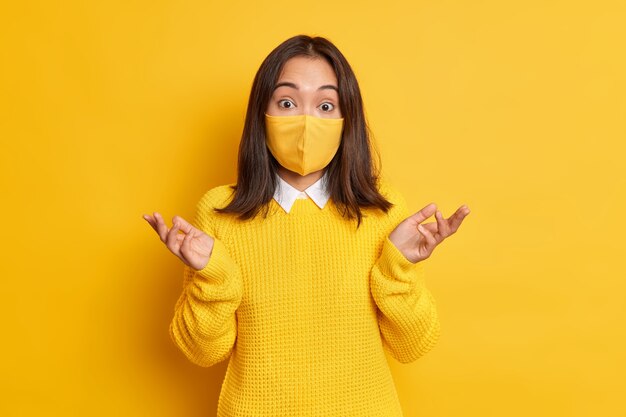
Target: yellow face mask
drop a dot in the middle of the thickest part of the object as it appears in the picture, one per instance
(303, 143)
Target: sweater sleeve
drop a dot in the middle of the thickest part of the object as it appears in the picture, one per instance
(407, 312)
(204, 326)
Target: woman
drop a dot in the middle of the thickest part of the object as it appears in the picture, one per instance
(309, 268)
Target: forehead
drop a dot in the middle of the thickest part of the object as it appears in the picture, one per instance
(308, 71)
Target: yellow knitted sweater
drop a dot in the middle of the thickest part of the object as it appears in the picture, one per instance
(304, 305)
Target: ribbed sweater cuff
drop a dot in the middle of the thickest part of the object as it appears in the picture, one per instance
(220, 265)
(393, 263)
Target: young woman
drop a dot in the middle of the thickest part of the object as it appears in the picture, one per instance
(309, 268)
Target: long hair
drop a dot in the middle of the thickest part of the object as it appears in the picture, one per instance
(352, 176)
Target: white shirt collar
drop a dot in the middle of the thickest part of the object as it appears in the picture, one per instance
(285, 195)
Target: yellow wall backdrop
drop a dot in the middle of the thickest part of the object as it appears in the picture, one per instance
(114, 109)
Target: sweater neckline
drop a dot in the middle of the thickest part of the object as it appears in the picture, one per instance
(305, 206)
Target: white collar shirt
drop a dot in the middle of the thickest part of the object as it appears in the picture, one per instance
(285, 194)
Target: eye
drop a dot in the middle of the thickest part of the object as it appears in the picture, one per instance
(287, 104)
(327, 107)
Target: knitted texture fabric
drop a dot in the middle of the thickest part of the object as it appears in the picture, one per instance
(304, 305)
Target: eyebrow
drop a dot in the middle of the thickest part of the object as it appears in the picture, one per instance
(292, 85)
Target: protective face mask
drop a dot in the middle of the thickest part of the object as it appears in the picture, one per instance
(303, 143)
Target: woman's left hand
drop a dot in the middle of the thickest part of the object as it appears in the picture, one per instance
(417, 241)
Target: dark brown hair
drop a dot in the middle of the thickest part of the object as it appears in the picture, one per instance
(352, 176)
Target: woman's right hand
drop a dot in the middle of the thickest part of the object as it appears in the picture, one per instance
(193, 246)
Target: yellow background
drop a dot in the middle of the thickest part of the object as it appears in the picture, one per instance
(118, 108)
